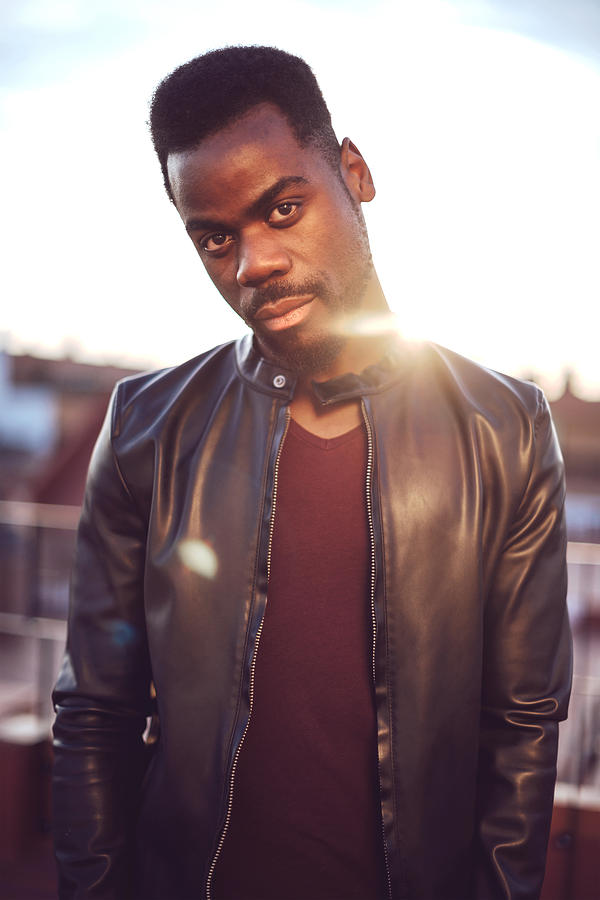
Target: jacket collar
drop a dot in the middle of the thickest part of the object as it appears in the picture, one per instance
(278, 381)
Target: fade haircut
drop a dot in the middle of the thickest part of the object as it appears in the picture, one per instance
(211, 91)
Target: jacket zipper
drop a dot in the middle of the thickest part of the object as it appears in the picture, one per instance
(369, 484)
(236, 757)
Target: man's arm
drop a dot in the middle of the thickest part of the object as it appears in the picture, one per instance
(102, 694)
(526, 685)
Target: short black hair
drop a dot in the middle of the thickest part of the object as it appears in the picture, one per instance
(211, 91)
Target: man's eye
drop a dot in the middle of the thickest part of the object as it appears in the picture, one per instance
(282, 211)
(214, 242)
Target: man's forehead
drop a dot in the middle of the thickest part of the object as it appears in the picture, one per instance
(245, 157)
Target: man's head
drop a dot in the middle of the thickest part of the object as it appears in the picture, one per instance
(269, 198)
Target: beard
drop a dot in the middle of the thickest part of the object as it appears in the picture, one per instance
(293, 349)
(304, 357)
(307, 351)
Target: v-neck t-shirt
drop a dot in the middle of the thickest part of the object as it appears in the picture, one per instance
(305, 821)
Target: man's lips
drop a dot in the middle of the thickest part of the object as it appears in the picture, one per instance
(284, 313)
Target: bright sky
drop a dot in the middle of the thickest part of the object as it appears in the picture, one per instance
(479, 119)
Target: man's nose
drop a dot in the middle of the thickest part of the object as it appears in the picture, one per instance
(261, 255)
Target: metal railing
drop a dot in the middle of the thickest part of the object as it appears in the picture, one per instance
(36, 548)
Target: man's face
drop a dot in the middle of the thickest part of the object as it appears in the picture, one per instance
(280, 234)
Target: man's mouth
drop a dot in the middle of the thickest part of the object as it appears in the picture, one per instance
(285, 312)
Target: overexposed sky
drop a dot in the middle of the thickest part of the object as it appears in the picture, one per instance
(479, 119)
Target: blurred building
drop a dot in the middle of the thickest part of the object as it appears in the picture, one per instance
(50, 413)
(578, 426)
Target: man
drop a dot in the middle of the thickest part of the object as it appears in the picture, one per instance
(385, 723)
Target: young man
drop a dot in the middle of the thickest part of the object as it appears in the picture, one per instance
(335, 559)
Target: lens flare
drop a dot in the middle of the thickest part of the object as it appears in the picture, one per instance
(367, 324)
(199, 558)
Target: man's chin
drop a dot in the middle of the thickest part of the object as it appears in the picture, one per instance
(303, 357)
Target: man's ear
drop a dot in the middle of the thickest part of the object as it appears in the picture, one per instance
(355, 172)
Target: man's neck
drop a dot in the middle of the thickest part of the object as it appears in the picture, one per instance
(331, 421)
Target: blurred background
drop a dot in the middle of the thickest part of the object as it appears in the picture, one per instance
(479, 119)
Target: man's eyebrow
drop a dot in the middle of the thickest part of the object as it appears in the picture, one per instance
(266, 198)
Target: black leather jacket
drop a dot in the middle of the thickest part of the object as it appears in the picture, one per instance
(471, 641)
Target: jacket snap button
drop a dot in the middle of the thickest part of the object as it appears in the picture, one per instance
(279, 381)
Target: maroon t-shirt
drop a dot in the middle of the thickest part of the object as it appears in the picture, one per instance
(305, 821)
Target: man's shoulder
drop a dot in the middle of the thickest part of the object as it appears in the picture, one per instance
(143, 398)
(477, 388)
(144, 404)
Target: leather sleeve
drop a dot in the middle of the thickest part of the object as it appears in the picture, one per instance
(526, 684)
(102, 693)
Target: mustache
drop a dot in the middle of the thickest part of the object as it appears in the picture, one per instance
(280, 289)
